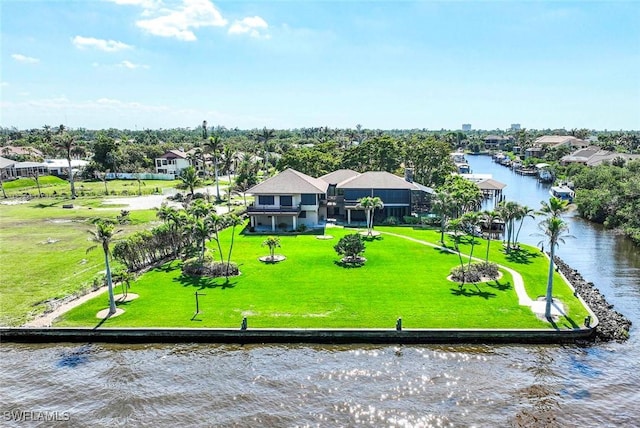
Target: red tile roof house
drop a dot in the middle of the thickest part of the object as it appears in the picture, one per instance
(292, 198)
(172, 162)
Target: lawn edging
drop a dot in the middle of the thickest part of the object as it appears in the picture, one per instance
(320, 336)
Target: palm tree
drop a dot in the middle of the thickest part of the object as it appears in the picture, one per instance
(470, 221)
(66, 143)
(508, 211)
(455, 225)
(201, 232)
(553, 228)
(264, 137)
(488, 217)
(523, 212)
(190, 179)
(272, 242)
(36, 176)
(442, 205)
(370, 204)
(234, 221)
(102, 236)
(554, 208)
(213, 146)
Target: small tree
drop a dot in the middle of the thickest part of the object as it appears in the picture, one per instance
(350, 247)
(272, 242)
(190, 179)
(234, 221)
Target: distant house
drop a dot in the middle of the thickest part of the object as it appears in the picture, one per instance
(14, 151)
(556, 141)
(7, 169)
(288, 200)
(172, 162)
(497, 142)
(594, 156)
(61, 166)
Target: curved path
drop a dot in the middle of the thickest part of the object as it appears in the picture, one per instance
(537, 306)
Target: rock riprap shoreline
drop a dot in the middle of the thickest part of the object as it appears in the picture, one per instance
(613, 325)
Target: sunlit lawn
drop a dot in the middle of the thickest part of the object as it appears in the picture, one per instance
(311, 290)
(43, 253)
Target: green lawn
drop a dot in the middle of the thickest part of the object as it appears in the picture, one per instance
(55, 186)
(43, 253)
(310, 290)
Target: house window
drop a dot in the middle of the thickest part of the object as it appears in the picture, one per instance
(265, 200)
(303, 214)
(308, 199)
(286, 201)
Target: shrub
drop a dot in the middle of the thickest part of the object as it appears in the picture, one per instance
(350, 246)
(301, 228)
(475, 273)
(409, 219)
(207, 267)
(390, 221)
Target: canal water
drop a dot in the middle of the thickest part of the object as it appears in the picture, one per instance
(295, 385)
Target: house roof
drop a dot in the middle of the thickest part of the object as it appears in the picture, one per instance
(290, 181)
(20, 165)
(491, 184)
(6, 163)
(582, 155)
(598, 158)
(339, 176)
(376, 180)
(17, 150)
(556, 140)
(172, 154)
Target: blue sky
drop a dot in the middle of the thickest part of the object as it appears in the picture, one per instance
(287, 64)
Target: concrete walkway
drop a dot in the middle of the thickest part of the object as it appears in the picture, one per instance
(537, 306)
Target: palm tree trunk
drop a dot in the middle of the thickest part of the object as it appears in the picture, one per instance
(488, 244)
(549, 296)
(112, 300)
(215, 169)
(73, 187)
(233, 233)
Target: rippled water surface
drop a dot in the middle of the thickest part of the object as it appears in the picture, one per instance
(277, 385)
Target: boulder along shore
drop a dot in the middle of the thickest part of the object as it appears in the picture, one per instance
(613, 325)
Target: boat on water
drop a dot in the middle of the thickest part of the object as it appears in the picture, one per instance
(562, 192)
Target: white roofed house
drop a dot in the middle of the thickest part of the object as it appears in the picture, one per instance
(288, 200)
(172, 162)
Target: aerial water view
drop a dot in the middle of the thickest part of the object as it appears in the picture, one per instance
(319, 213)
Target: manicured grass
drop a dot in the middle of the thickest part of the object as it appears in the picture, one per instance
(43, 253)
(311, 290)
(51, 184)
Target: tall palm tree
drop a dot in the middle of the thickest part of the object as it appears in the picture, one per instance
(442, 205)
(264, 137)
(201, 232)
(471, 221)
(103, 236)
(508, 211)
(455, 225)
(488, 217)
(555, 229)
(66, 143)
(523, 213)
(214, 146)
(234, 221)
(554, 208)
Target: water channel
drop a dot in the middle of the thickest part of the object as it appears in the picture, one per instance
(295, 385)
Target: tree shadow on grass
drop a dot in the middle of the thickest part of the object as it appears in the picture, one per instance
(168, 267)
(565, 321)
(462, 291)
(43, 205)
(203, 282)
(500, 286)
(372, 238)
(445, 250)
(521, 256)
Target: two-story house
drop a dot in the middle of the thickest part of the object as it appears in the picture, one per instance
(288, 200)
(172, 162)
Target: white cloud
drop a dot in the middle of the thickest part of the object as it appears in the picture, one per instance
(25, 59)
(4, 84)
(147, 4)
(180, 21)
(251, 25)
(101, 44)
(131, 66)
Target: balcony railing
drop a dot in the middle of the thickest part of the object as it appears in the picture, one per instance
(272, 209)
